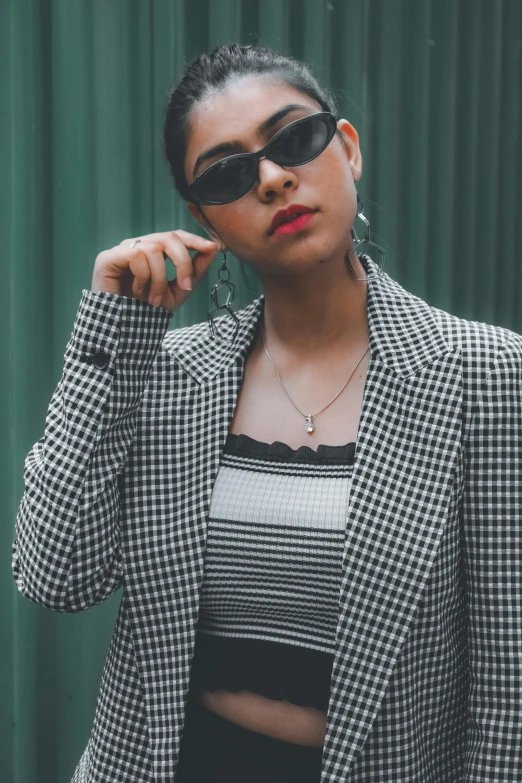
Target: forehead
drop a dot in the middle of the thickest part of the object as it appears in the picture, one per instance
(235, 112)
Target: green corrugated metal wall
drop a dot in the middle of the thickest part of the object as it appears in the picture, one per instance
(434, 90)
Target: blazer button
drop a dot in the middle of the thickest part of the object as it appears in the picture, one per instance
(101, 359)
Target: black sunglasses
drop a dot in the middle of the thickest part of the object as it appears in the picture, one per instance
(297, 143)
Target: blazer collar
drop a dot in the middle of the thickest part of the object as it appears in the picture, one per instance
(402, 331)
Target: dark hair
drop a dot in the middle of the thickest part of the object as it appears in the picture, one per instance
(210, 72)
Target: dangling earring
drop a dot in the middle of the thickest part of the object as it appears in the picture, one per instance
(214, 330)
(366, 239)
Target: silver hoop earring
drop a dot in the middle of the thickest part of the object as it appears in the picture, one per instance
(365, 240)
(223, 281)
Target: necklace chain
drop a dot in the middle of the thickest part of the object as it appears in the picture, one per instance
(310, 417)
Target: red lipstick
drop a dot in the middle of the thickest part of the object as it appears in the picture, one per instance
(299, 222)
(288, 214)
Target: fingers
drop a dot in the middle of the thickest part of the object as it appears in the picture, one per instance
(186, 272)
(148, 268)
(147, 263)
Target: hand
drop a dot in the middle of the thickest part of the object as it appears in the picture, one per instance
(139, 272)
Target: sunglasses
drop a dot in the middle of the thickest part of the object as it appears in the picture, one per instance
(298, 142)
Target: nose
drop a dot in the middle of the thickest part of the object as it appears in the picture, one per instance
(273, 177)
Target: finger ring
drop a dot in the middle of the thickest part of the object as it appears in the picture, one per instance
(135, 242)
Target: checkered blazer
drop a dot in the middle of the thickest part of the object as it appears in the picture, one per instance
(426, 683)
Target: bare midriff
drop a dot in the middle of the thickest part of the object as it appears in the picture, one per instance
(279, 719)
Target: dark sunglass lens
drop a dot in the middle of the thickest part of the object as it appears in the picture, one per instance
(227, 180)
(300, 142)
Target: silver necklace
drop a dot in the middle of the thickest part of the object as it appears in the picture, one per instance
(310, 427)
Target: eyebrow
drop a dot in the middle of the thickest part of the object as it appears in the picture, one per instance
(237, 146)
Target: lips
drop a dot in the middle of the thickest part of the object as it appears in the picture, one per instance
(288, 214)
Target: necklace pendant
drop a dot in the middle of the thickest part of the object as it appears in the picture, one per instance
(310, 424)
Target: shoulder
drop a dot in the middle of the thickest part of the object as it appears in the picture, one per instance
(197, 336)
(483, 346)
(185, 336)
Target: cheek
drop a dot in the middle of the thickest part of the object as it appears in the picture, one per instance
(227, 220)
(235, 228)
(236, 221)
(339, 172)
(330, 177)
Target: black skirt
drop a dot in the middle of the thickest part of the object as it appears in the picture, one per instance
(216, 750)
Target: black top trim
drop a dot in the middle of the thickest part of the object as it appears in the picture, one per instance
(245, 446)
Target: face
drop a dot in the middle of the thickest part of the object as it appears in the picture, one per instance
(326, 183)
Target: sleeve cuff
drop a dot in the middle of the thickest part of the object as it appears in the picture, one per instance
(109, 322)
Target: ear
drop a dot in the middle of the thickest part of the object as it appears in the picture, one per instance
(197, 214)
(351, 147)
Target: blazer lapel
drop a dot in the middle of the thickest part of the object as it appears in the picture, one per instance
(407, 444)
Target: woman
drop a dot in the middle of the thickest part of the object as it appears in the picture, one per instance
(314, 512)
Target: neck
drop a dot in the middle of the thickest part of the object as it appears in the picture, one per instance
(316, 315)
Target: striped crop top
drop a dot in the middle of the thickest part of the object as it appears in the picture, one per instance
(269, 599)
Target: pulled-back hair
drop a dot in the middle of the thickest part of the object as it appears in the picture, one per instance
(210, 72)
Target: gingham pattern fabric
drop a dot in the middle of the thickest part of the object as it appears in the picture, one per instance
(268, 602)
(427, 674)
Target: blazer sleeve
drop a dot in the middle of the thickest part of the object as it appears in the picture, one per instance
(66, 554)
(492, 547)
